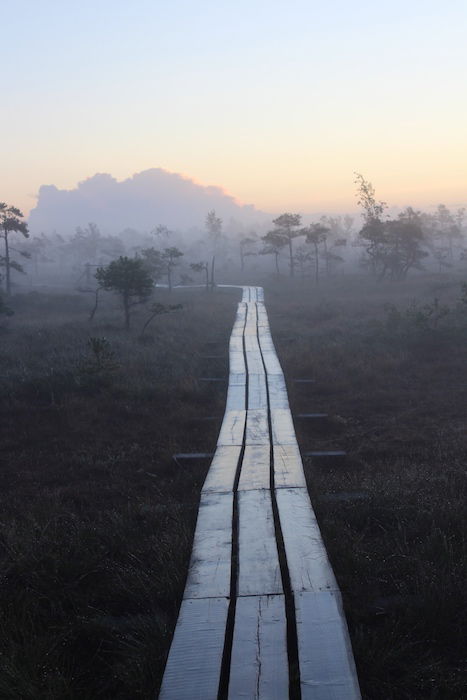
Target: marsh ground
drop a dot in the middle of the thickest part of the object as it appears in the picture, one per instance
(97, 520)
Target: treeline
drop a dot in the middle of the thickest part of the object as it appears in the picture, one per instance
(385, 247)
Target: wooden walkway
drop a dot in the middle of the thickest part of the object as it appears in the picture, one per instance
(261, 615)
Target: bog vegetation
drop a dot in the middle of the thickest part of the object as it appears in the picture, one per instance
(101, 353)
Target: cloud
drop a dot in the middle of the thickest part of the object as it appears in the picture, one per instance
(141, 202)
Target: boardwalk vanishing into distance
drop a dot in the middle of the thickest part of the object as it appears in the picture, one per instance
(261, 615)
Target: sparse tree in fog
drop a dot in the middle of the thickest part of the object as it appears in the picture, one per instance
(11, 222)
(246, 249)
(287, 227)
(153, 262)
(302, 257)
(316, 235)
(162, 231)
(129, 278)
(214, 229)
(274, 242)
(201, 267)
(393, 246)
(171, 256)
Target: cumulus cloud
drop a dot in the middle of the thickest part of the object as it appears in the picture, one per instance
(141, 202)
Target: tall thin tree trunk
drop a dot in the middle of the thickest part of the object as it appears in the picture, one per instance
(213, 262)
(326, 255)
(316, 264)
(96, 302)
(291, 258)
(7, 266)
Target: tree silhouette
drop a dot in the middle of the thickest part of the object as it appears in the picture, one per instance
(129, 278)
(10, 222)
(286, 229)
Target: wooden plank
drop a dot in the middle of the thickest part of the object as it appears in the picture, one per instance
(254, 363)
(288, 467)
(272, 363)
(232, 429)
(256, 466)
(327, 668)
(236, 397)
(221, 475)
(283, 432)
(237, 363)
(257, 393)
(236, 343)
(307, 560)
(191, 455)
(259, 667)
(252, 344)
(194, 663)
(257, 428)
(237, 379)
(251, 315)
(278, 397)
(209, 569)
(258, 565)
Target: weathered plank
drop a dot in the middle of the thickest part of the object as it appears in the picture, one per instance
(288, 467)
(236, 343)
(191, 455)
(327, 668)
(259, 667)
(237, 363)
(236, 397)
(221, 475)
(232, 428)
(307, 560)
(257, 428)
(258, 569)
(256, 466)
(278, 397)
(211, 556)
(194, 663)
(283, 432)
(271, 363)
(257, 393)
(237, 379)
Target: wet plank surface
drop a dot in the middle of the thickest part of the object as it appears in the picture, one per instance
(194, 664)
(259, 666)
(307, 560)
(327, 668)
(258, 569)
(221, 474)
(211, 556)
(256, 467)
(232, 429)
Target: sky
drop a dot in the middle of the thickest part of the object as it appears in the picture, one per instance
(278, 103)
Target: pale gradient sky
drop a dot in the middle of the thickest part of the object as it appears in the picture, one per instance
(276, 102)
